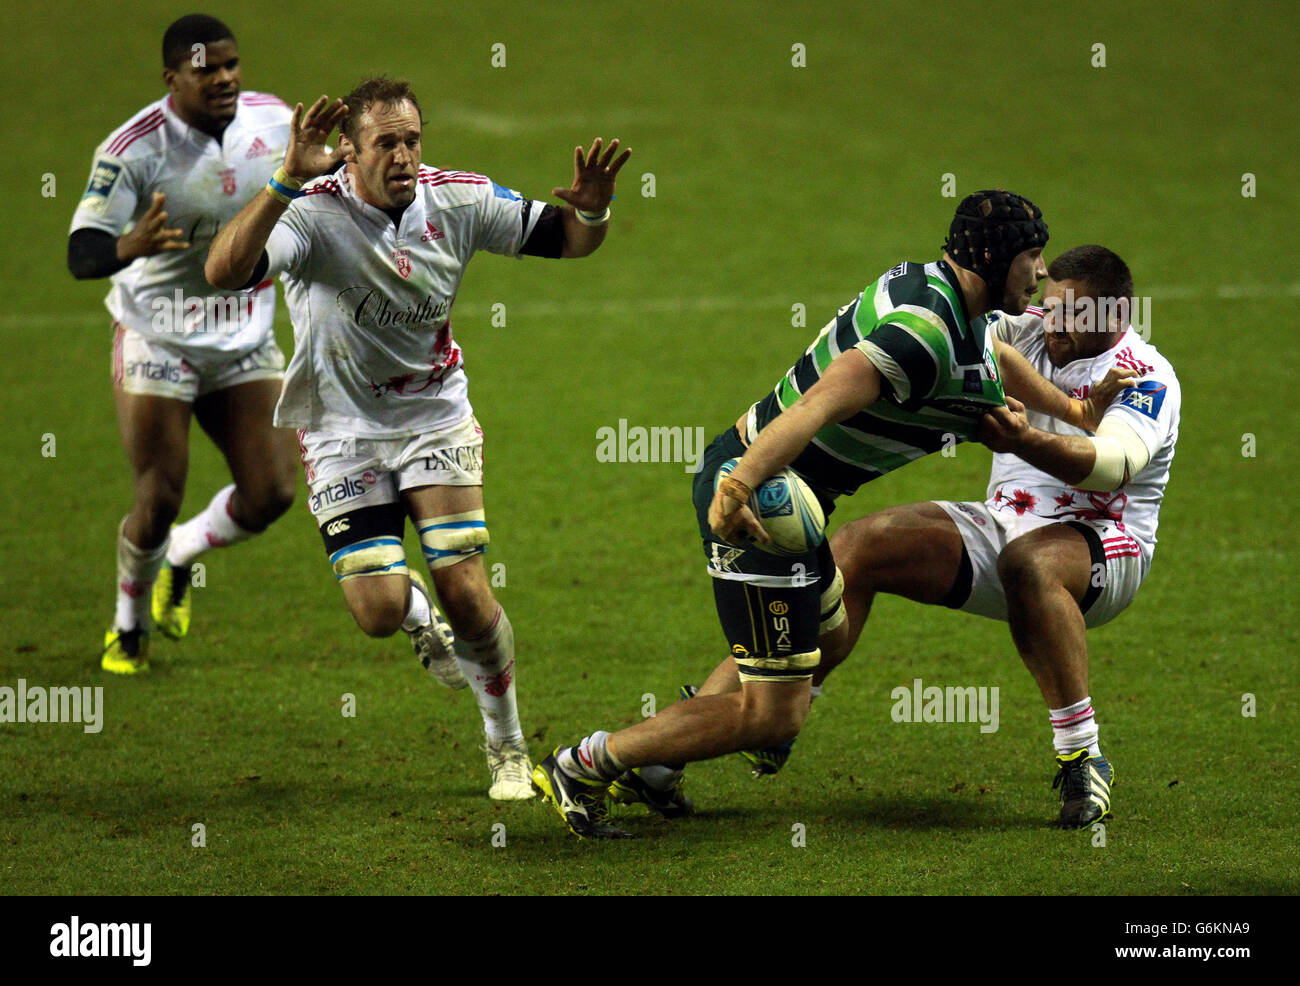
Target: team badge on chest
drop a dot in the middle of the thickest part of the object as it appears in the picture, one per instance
(228, 180)
(403, 261)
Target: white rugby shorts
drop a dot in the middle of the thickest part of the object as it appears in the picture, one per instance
(986, 528)
(347, 473)
(147, 365)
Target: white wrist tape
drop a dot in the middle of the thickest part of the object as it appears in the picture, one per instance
(592, 218)
(1121, 455)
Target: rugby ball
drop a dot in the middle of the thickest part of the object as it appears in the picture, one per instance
(788, 511)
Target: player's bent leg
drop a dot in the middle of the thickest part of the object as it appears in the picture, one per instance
(912, 550)
(365, 550)
(453, 533)
(155, 436)
(262, 463)
(1051, 576)
(263, 459)
(1045, 574)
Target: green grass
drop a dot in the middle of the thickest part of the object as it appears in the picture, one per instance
(775, 185)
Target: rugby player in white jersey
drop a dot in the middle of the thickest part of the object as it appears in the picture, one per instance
(160, 186)
(372, 258)
(1067, 533)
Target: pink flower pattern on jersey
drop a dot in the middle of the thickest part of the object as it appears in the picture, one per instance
(1101, 506)
(444, 356)
(1020, 501)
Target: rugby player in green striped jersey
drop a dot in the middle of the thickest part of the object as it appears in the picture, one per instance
(905, 369)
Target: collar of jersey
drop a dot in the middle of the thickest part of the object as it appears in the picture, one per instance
(186, 132)
(950, 276)
(416, 207)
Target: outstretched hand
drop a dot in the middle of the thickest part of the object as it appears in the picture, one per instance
(1103, 393)
(593, 177)
(149, 235)
(308, 156)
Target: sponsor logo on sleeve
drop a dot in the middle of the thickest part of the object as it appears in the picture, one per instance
(1146, 397)
(102, 182)
(501, 192)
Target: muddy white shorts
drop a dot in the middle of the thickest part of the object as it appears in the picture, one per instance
(344, 474)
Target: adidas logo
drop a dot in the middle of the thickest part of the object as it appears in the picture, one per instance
(259, 148)
(431, 232)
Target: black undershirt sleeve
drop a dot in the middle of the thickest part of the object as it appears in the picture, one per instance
(259, 272)
(547, 237)
(93, 253)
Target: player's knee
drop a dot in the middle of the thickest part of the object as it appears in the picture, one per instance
(773, 725)
(853, 547)
(158, 499)
(272, 501)
(379, 616)
(1021, 570)
(465, 597)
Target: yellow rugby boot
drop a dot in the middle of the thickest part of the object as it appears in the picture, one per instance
(171, 601)
(125, 651)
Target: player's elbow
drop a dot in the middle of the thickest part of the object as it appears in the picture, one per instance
(220, 275)
(80, 270)
(82, 263)
(1111, 468)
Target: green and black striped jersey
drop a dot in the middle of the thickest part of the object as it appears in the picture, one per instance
(939, 367)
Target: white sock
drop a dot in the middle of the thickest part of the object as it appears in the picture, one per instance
(1075, 728)
(137, 569)
(418, 613)
(488, 661)
(591, 759)
(211, 527)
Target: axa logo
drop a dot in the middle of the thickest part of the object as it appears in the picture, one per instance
(336, 527)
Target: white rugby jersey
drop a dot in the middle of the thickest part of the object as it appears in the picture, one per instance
(206, 184)
(1151, 409)
(370, 301)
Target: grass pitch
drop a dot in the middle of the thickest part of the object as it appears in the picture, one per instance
(774, 185)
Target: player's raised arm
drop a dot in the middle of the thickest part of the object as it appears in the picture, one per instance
(1021, 381)
(587, 218)
(239, 246)
(850, 383)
